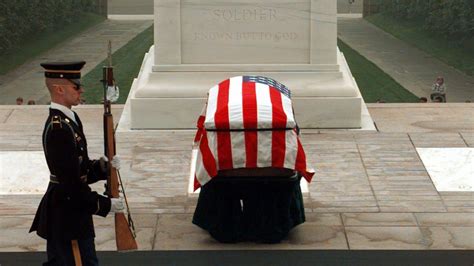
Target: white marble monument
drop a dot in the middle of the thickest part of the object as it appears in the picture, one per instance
(200, 43)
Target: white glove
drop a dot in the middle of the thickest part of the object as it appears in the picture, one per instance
(115, 162)
(117, 205)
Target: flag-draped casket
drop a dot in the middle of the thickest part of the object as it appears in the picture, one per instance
(248, 122)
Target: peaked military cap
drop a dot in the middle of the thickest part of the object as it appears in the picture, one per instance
(65, 70)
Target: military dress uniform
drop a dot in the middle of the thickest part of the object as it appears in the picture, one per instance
(64, 215)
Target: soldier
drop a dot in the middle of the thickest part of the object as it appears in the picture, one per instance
(64, 215)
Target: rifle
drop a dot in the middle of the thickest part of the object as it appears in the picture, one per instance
(124, 228)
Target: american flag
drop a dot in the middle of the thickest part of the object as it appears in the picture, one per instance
(248, 123)
(249, 102)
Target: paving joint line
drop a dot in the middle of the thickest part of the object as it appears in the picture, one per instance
(367, 175)
(155, 231)
(463, 139)
(376, 127)
(426, 170)
(345, 232)
(8, 116)
(416, 219)
(424, 241)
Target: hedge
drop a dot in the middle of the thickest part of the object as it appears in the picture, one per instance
(22, 18)
(453, 19)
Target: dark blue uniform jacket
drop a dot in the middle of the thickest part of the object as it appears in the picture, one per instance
(66, 209)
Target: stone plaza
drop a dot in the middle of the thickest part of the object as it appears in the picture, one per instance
(371, 189)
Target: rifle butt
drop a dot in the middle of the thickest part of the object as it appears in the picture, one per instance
(124, 237)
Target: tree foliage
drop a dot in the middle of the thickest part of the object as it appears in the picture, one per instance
(453, 19)
(22, 18)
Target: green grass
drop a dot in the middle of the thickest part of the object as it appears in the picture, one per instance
(37, 44)
(373, 83)
(412, 32)
(126, 61)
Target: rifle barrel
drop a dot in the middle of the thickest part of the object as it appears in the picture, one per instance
(124, 236)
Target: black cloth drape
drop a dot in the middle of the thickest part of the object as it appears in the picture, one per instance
(261, 209)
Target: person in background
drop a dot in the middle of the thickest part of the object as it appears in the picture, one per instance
(438, 90)
(423, 100)
(437, 99)
(31, 102)
(19, 101)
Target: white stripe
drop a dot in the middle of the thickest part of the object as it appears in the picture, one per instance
(291, 148)
(212, 143)
(211, 107)
(237, 122)
(264, 120)
(264, 106)
(288, 109)
(264, 155)
(237, 140)
(236, 118)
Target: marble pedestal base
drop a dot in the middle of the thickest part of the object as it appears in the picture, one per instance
(172, 97)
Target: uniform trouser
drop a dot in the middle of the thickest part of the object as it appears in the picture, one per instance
(60, 252)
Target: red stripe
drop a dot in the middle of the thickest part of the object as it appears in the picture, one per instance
(200, 128)
(208, 159)
(249, 103)
(221, 118)
(300, 164)
(196, 183)
(278, 113)
(278, 136)
(278, 148)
